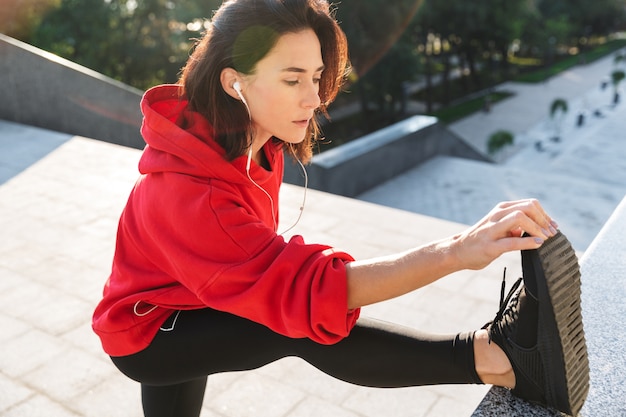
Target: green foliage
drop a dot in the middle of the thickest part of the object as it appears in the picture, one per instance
(141, 43)
(543, 73)
(457, 111)
(64, 31)
(382, 88)
(499, 140)
(372, 27)
(558, 106)
(382, 59)
(19, 18)
(617, 77)
(598, 17)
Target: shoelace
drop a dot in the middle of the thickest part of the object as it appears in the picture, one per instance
(504, 301)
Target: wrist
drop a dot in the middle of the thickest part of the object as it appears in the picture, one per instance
(453, 259)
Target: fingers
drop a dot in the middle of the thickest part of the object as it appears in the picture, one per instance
(524, 216)
(516, 244)
(510, 226)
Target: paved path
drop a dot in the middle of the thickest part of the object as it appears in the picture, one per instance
(580, 179)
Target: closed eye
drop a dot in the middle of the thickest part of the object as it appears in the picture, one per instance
(293, 83)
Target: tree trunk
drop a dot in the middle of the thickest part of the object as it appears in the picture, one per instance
(471, 63)
(445, 79)
(504, 63)
(429, 84)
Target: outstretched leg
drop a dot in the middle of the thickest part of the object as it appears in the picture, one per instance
(375, 354)
(382, 354)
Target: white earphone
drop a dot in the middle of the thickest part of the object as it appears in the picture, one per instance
(237, 88)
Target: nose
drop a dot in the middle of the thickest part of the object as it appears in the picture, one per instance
(311, 96)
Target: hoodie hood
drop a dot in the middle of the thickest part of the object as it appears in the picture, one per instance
(182, 141)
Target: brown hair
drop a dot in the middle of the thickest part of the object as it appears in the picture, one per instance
(241, 33)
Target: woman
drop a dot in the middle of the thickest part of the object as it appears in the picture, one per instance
(201, 281)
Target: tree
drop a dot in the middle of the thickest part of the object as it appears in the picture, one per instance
(372, 27)
(139, 42)
(498, 140)
(579, 20)
(477, 35)
(381, 63)
(384, 87)
(558, 109)
(81, 32)
(617, 77)
(19, 18)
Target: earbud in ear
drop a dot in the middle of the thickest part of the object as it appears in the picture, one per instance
(237, 88)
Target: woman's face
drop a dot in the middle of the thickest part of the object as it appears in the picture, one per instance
(283, 92)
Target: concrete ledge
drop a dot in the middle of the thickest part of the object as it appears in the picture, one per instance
(603, 270)
(356, 166)
(41, 89)
(604, 311)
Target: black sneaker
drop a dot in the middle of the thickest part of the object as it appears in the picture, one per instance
(549, 359)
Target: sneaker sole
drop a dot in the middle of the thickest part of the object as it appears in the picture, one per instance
(561, 338)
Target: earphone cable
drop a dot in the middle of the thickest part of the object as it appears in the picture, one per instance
(306, 186)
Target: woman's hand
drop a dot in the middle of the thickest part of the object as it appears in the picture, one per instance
(502, 230)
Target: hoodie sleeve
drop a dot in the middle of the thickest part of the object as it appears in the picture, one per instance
(209, 240)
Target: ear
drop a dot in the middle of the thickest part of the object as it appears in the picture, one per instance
(228, 77)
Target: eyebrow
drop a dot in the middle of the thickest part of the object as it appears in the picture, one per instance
(302, 70)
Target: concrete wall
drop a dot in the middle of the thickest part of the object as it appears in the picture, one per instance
(359, 165)
(41, 89)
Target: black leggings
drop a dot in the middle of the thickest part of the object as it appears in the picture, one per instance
(173, 369)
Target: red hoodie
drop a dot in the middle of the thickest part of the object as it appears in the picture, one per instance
(196, 233)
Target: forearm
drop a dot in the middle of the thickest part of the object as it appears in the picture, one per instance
(510, 226)
(379, 279)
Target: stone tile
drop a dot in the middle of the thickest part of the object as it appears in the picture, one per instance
(68, 374)
(23, 255)
(207, 412)
(12, 393)
(11, 328)
(414, 402)
(39, 406)
(447, 407)
(114, 396)
(83, 338)
(28, 351)
(220, 383)
(82, 279)
(45, 308)
(300, 375)
(254, 395)
(313, 407)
